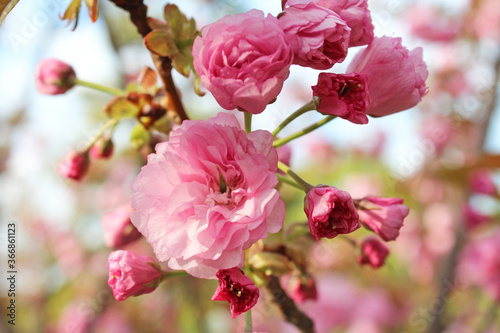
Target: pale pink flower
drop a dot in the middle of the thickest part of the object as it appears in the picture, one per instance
(343, 95)
(131, 274)
(75, 165)
(54, 77)
(396, 76)
(236, 288)
(118, 230)
(243, 60)
(319, 37)
(438, 131)
(480, 264)
(330, 212)
(481, 181)
(207, 195)
(354, 12)
(373, 252)
(427, 22)
(384, 216)
(486, 21)
(284, 155)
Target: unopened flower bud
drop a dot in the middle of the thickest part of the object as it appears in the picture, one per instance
(373, 252)
(305, 288)
(102, 149)
(54, 77)
(74, 165)
(132, 274)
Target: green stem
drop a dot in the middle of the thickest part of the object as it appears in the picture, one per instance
(248, 321)
(171, 274)
(248, 121)
(109, 90)
(306, 130)
(110, 123)
(307, 107)
(289, 181)
(303, 184)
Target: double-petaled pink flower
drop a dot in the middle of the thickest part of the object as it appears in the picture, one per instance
(131, 274)
(385, 216)
(396, 77)
(319, 37)
(236, 288)
(243, 60)
(207, 195)
(330, 212)
(54, 77)
(343, 95)
(354, 12)
(373, 252)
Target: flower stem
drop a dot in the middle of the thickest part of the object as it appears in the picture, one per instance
(301, 182)
(288, 181)
(248, 321)
(110, 123)
(95, 86)
(165, 275)
(248, 121)
(307, 107)
(306, 130)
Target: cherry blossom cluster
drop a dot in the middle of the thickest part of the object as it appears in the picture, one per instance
(208, 193)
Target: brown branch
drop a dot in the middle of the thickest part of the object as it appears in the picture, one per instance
(288, 308)
(138, 15)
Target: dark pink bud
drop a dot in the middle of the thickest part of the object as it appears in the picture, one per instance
(330, 212)
(74, 165)
(384, 216)
(373, 252)
(132, 274)
(343, 95)
(118, 230)
(236, 288)
(481, 181)
(102, 149)
(473, 218)
(304, 289)
(54, 77)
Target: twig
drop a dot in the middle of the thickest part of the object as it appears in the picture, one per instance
(288, 308)
(138, 15)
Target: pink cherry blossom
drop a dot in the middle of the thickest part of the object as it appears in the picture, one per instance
(304, 289)
(75, 165)
(330, 212)
(481, 181)
(384, 216)
(243, 60)
(373, 252)
(131, 274)
(54, 77)
(118, 230)
(396, 76)
(354, 12)
(207, 195)
(343, 95)
(480, 264)
(319, 37)
(236, 288)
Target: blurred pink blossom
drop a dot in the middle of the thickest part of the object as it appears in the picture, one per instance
(118, 230)
(75, 165)
(481, 181)
(373, 252)
(207, 195)
(427, 22)
(473, 218)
